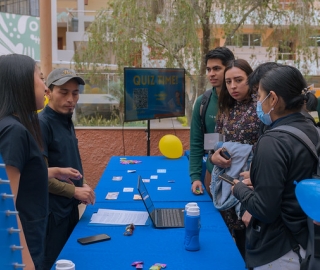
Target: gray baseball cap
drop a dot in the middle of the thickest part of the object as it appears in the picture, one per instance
(60, 76)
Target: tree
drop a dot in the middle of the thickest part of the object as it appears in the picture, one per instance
(181, 32)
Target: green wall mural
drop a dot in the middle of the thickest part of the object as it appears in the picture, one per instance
(20, 34)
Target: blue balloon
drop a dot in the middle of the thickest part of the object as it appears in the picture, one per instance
(308, 195)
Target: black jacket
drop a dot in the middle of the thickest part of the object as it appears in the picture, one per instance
(279, 160)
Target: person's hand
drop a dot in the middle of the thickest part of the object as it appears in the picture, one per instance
(196, 187)
(235, 181)
(248, 183)
(219, 160)
(64, 174)
(245, 181)
(246, 218)
(69, 173)
(245, 175)
(85, 194)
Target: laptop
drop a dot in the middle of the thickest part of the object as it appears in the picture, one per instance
(160, 217)
(210, 139)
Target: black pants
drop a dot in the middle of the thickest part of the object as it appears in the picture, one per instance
(240, 239)
(58, 233)
(239, 235)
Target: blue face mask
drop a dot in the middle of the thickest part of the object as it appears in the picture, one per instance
(264, 117)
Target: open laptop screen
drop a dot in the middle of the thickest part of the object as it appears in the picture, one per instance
(145, 196)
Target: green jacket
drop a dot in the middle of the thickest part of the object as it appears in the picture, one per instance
(197, 136)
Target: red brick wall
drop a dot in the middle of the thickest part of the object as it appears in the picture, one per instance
(98, 145)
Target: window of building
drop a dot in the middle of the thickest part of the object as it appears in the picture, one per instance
(244, 40)
(21, 7)
(285, 50)
(34, 8)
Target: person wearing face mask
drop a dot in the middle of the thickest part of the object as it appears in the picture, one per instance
(310, 104)
(264, 117)
(277, 233)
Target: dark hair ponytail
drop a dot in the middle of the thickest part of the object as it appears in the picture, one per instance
(288, 83)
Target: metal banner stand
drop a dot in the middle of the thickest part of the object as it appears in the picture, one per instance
(148, 137)
(10, 248)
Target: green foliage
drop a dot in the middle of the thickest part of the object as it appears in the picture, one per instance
(181, 32)
(135, 124)
(96, 120)
(100, 121)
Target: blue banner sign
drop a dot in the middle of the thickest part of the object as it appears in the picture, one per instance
(153, 93)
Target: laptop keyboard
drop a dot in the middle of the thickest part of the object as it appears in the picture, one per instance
(170, 217)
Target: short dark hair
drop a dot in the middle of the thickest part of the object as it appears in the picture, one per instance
(226, 102)
(259, 72)
(288, 83)
(222, 53)
(17, 93)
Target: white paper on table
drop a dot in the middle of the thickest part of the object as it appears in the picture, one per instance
(119, 217)
(128, 189)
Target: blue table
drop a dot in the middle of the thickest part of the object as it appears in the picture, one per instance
(179, 173)
(150, 245)
(149, 163)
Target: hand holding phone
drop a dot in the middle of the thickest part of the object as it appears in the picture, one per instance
(225, 154)
(94, 239)
(226, 178)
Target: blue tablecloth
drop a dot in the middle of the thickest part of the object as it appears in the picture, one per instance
(151, 245)
(148, 244)
(177, 170)
(180, 188)
(149, 163)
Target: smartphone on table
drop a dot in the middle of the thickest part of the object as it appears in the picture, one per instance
(94, 239)
(227, 178)
(225, 154)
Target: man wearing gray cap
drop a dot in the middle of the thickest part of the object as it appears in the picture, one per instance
(60, 147)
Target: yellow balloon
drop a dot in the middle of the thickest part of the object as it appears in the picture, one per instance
(170, 146)
(46, 101)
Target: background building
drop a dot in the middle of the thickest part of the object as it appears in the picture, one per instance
(71, 18)
(21, 7)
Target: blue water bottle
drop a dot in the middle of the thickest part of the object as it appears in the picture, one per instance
(188, 205)
(192, 229)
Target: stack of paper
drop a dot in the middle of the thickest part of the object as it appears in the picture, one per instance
(119, 217)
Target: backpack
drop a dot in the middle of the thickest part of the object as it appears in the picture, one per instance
(203, 108)
(304, 139)
(312, 256)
